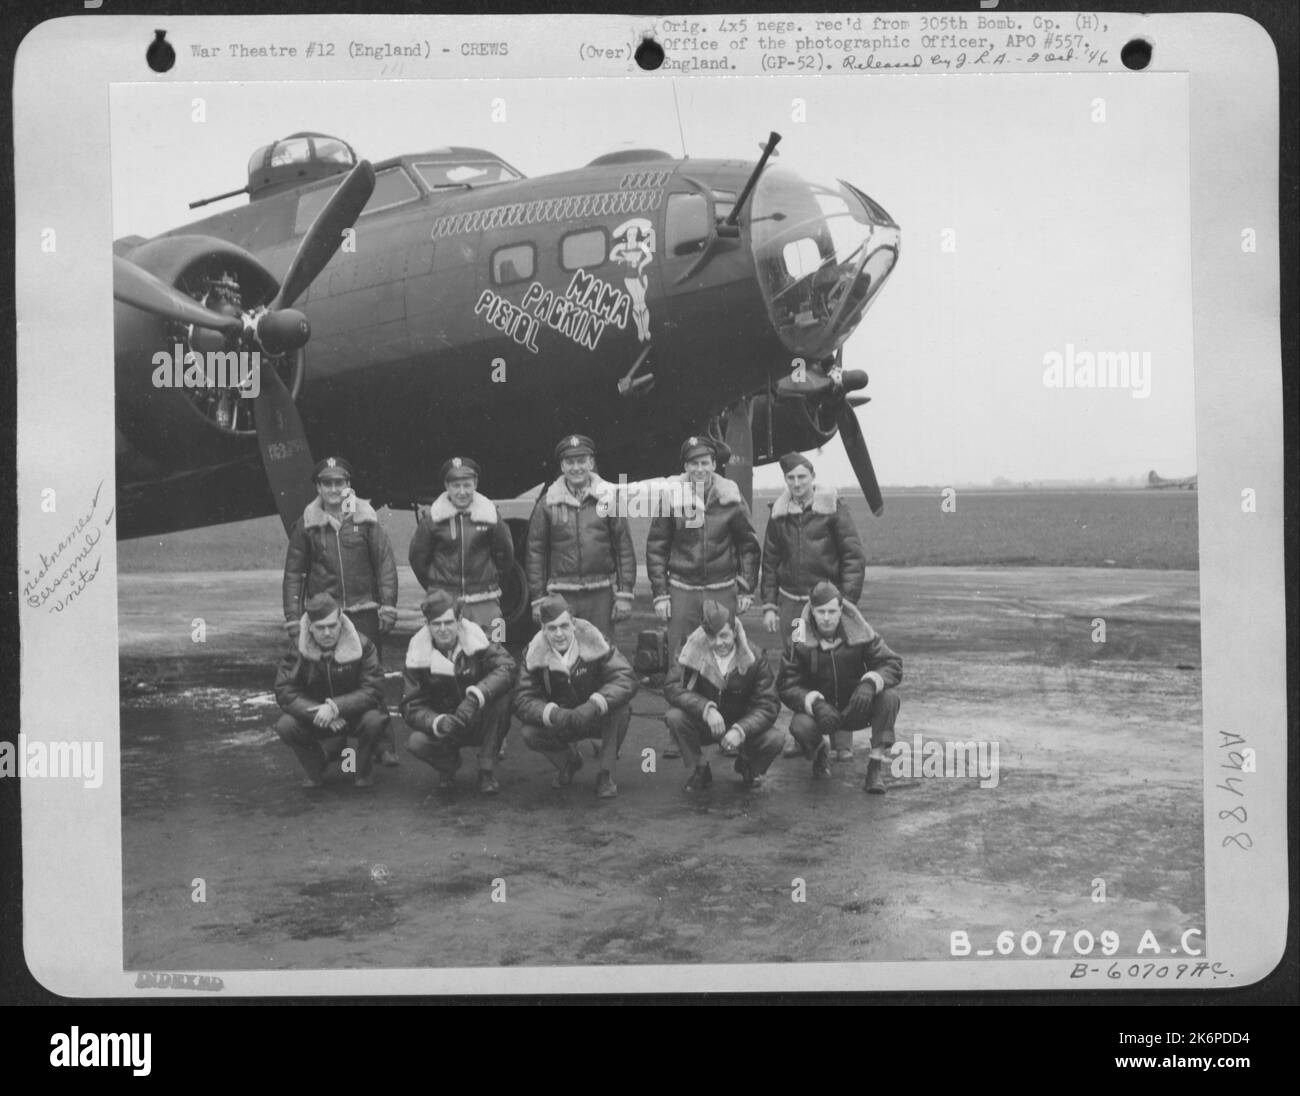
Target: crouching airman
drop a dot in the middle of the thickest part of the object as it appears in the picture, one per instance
(331, 688)
(574, 686)
(722, 692)
(840, 676)
(457, 691)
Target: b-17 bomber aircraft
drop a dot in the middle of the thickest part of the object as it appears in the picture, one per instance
(440, 303)
(1187, 483)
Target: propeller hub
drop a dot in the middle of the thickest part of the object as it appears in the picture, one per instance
(282, 331)
(853, 379)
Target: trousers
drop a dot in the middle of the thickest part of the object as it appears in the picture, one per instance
(688, 611)
(316, 747)
(693, 736)
(880, 716)
(484, 731)
(557, 742)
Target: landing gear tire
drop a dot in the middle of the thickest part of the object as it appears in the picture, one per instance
(516, 603)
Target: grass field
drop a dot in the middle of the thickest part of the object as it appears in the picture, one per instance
(1046, 528)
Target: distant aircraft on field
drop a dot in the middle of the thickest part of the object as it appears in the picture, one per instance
(1157, 481)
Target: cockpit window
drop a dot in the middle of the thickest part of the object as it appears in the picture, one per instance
(295, 150)
(332, 151)
(392, 187)
(454, 173)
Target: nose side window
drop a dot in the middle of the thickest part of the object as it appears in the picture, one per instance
(513, 264)
(688, 224)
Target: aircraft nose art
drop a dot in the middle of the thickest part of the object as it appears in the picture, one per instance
(822, 251)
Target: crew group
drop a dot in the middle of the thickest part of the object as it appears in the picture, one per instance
(461, 685)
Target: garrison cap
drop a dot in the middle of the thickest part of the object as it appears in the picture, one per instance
(459, 468)
(715, 616)
(574, 445)
(321, 605)
(552, 608)
(436, 602)
(332, 466)
(791, 461)
(823, 593)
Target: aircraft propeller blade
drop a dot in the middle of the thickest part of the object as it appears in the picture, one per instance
(855, 446)
(286, 456)
(135, 286)
(325, 236)
(740, 440)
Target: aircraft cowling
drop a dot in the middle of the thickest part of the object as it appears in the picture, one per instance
(165, 423)
(797, 425)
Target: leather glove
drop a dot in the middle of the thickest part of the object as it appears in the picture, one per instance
(449, 724)
(622, 609)
(826, 717)
(855, 712)
(585, 715)
(292, 628)
(466, 710)
(564, 719)
(387, 618)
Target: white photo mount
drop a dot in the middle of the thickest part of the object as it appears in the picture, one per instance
(1217, 81)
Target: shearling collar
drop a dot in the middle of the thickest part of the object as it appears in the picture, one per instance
(823, 502)
(481, 510)
(348, 648)
(558, 494)
(314, 515)
(421, 654)
(723, 491)
(854, 629)
(586, 636)
(697, 655)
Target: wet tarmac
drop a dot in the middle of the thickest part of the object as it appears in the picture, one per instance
(1099, 752)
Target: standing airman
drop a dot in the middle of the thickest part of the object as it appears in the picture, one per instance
(578, 546)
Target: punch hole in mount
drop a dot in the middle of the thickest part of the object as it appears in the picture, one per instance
(160, 54)
(1136, 54)
(649, 54)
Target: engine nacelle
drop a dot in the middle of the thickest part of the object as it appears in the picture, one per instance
(796, 425)
(188, 427)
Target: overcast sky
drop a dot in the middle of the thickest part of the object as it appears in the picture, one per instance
(1069, 231)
